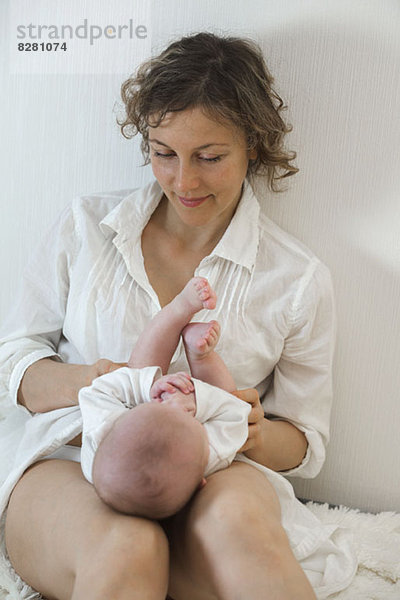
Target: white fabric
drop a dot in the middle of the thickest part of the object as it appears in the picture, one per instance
(86, 295)
(66, 452)
(225, 418)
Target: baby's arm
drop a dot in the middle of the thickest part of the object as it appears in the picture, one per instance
(104, 401)
(225, 419)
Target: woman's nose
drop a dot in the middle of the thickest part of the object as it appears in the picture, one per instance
(187, 179)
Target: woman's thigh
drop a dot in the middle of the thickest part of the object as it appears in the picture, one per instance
(231, 527)
(57, 528)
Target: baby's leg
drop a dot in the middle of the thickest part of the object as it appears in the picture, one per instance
(157, 343)
(200, 340)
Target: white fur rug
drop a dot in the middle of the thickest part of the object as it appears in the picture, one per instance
(377, 543)
(376, 538)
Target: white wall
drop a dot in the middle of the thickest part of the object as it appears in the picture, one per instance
(337, 66)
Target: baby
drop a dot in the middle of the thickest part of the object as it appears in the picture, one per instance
(151, 461)
(154, 457)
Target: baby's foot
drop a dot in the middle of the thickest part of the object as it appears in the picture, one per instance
(196, 294)
(200, 338)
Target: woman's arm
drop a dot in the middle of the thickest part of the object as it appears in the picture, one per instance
(278, 445)
(281, 446)
(49, 384)
(298, 399)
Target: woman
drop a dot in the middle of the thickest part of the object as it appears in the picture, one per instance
(210, 120)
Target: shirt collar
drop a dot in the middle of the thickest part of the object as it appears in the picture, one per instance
(131, 215)
(239, 243)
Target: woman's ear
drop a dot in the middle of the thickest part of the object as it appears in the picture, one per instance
(252, 154)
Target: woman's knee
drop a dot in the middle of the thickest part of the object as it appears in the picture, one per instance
(129, 538)
(55, 516)
(234, 508)
(235, 516)
(132, 558)
(141, 537)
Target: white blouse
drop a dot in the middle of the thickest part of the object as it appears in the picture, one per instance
(86, 295)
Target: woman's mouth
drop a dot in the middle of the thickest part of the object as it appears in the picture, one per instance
(192, 202)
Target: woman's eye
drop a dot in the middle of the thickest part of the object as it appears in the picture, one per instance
(214, 159)
(163, 155)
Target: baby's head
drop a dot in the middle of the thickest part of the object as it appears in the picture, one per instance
(152, 461)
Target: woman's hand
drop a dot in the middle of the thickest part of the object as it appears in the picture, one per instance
(276, 444)
(256, 419)
(103, 366)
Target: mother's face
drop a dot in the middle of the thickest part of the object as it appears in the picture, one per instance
(200, 164)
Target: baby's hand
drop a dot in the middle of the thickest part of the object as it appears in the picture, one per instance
(185, 402)
(176, 389)
(170, 383)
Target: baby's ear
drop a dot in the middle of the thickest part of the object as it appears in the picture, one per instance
(202, 483)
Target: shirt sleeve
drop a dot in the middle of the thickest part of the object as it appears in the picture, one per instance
(225, 419)
(105, 400)
(34, 326)
(301, 387)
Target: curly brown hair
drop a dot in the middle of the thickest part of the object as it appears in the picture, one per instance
(228, 78)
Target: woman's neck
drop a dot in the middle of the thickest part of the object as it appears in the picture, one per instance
(191, 237)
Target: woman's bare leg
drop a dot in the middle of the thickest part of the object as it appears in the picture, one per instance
(157, 343)
(200, 340)
(228, 543)
(68, 545)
